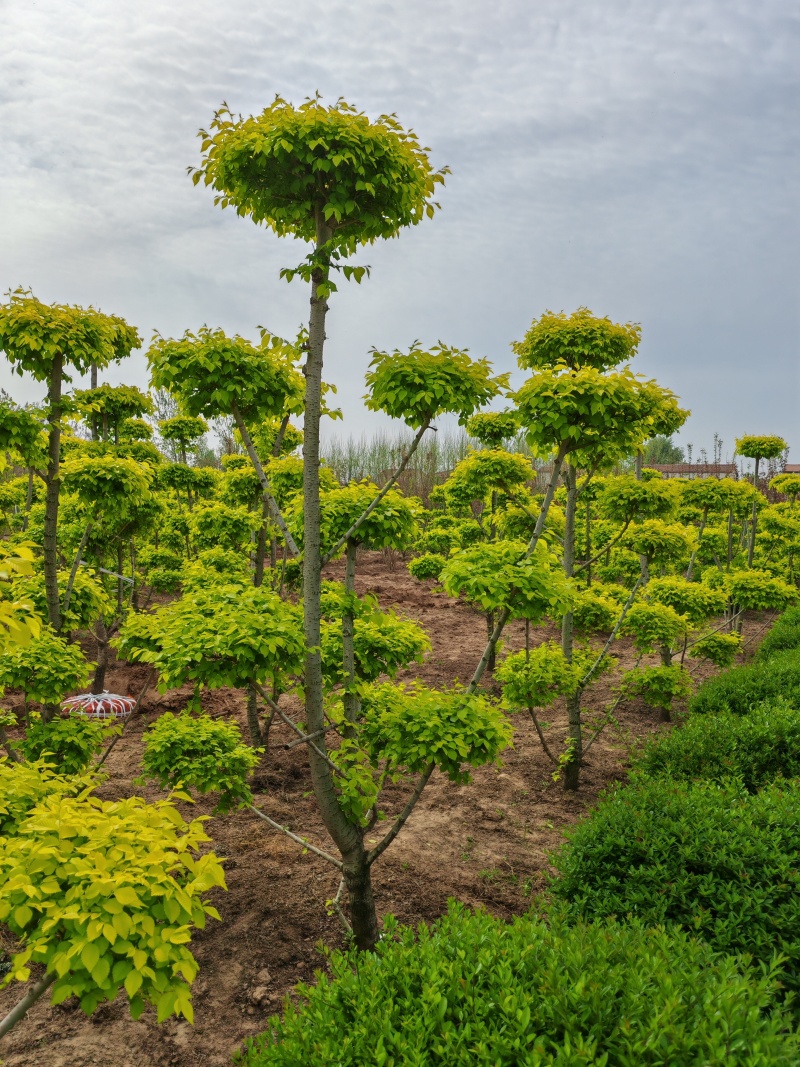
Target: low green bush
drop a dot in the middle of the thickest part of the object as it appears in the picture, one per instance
(68, 745)
(710, 857)
(785, 634)
(757, 748)
(471, 991)
(741, 688)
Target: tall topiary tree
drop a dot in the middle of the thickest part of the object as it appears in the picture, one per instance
(336, 179)
(46, 341)
(757, 447)
(577, 405)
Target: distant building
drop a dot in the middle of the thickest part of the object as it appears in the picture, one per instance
(695, 470)
(791, 468)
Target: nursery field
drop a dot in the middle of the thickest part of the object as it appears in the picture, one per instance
(485, 844)
(457, 729)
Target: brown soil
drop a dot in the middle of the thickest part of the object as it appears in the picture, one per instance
(485, 843)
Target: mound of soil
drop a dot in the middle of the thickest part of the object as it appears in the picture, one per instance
(486, 843)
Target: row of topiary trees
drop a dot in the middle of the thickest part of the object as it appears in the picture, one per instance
(668, 933)
(245, 549)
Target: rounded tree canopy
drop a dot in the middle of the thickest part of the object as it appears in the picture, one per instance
(788, 484)
(754, 447)
(492, 428)
(211, 373)
(577, 340)
(624, 498)
(594, 414)
(183, 428)
(481, 472)
(225, 634)
(694, 599)
(292, 166)
(711, 493)
(135, 430)
(109, 485)
(501, 574)
(661, 541)
(32, 334)
(20, 431)
(420, 385)
(111, 404)
(392, 524)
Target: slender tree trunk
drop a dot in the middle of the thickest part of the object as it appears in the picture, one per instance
(352, 704)
(588, 542)
(492, 662)
(752, 545)
(730, 537)
(135, 586)
(76, 563)
(28, 500)
(574, 733)
(349, 838)
(261, 546)
(253, 725)
(120, 568)
(53, 483)
(20, 1009)
(101, 636)
(700, 533)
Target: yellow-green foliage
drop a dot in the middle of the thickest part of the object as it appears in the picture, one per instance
(105, 894)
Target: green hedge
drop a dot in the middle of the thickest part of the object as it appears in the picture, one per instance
(785, 634)
(718, 861)
(757, 748)
(472, 991)
(741, 688)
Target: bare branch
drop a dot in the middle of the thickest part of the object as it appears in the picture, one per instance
(20, 1009)
(285, 718)
(366, 514)
(545, 746)
(272, 504)
(586, 678)
(337, 907)
(310, 737)
(402, 818)
(133, 715)
(604, 549)
(295, 837)
(76, 563)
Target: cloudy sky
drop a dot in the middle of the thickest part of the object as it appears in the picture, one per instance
(639, 157)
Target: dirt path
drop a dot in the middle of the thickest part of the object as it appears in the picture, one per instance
(486, 843)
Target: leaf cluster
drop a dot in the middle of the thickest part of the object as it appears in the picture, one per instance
(708, 857)
(225, 634)
(291, 167)
(33, 334)
(105, 894)
(420, 385)
(474, 991)
(198, 752)
(759, 747)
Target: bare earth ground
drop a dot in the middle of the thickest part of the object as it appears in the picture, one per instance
(486, 843)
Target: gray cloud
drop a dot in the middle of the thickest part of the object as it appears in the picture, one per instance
(640, 158)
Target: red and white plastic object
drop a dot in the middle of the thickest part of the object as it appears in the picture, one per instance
(98, 706)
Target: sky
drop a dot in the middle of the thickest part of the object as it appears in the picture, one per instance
(639, 157)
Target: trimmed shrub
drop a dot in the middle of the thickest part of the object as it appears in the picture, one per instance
(471, 991)
(741, 688)
(709, 857)
(756, 748)
(426, 567)
(785, 634)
